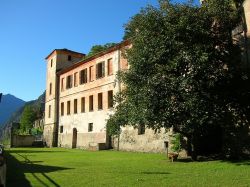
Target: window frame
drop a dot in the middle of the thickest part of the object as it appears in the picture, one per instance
(68, 108)
(69, 80)
(75, 106)
(83, 76)
(110, 99)
(83, 103)
(100, 70)
(62, 108)
(90, 127)
(110, 66)
(100, 101)
(91, 103)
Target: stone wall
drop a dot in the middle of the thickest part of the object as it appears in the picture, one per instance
(22, 140)
(149, 142)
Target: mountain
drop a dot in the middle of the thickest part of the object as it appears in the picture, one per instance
(9, 104)
(38, 104)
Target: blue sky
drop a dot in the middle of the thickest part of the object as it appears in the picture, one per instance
(31, 29)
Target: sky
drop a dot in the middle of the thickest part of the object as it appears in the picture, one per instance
(31, 29)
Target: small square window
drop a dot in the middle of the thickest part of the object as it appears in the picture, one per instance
(69, 58)
(90, 127)
(61, 129)
(141, 129)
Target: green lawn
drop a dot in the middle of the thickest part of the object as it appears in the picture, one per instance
(43, 167)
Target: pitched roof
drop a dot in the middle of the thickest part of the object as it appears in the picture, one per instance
(64, 50)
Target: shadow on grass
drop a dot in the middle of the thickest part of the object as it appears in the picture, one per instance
(16, 172)
(154, 173)
(238, 162)
(32, 151)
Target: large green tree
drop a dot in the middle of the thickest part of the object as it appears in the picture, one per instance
(99, 48)
(185, 72)
(28, 117)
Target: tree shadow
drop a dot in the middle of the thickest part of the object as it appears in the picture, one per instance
(156, 172)
(32, 151)
(238, 162)
(16, 172)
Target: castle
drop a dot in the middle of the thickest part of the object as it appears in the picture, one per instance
(79, 99)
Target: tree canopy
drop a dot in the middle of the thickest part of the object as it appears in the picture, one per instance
(185, 72)
(28, 117)
(99, 48)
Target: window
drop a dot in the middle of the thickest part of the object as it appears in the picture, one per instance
(91, 73)
(76, 79)
(49, 111)
(110, 99)
(110, 66)
(100, 107)
(51, 63)
(62, 109)
(83, 104)
(69, 58)
(62, 84)
(61, 129)
(68, 107)
(141, 129)
(75, 106)
(91, 103)
(90, 127)
(100, 70)
(50, 88)
(83, 76)
(69, 82)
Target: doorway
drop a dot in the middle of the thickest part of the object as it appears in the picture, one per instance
(74, 138)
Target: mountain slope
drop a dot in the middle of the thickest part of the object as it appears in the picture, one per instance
(8, 106)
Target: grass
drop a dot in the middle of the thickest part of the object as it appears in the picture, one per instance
(43, 167)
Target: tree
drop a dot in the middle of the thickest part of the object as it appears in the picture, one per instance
(185, 72)
(27, 119)
(99, 48)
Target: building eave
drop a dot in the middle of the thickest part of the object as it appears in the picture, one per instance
(88, 59)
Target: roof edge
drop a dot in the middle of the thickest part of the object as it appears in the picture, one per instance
(113, 48)
(64, 50)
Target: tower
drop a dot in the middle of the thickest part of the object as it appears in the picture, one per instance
(56, 61)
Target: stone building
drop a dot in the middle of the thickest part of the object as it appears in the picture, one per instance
(79, 100)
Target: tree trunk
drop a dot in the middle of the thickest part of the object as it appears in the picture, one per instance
(193, 148)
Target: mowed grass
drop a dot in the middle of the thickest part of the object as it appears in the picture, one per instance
(43, 167)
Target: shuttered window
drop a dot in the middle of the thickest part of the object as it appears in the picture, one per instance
(83, 76)
(100, 70)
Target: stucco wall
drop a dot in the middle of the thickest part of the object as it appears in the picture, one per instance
(22, 140)
(98, 117)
